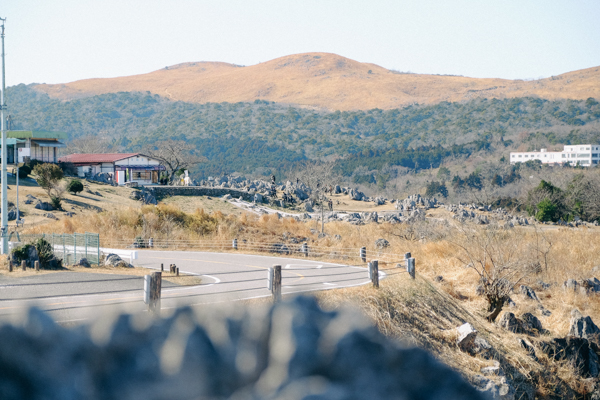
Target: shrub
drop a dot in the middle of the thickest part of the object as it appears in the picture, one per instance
(547, 211)
(75, 186)
(24, 171)
(56, 202)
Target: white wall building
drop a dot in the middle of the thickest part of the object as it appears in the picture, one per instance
(585, 155)
(122, 168)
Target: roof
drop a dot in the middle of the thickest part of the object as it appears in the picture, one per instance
(36, 135)
(94, 158)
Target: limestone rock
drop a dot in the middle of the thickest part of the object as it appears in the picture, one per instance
(42, 205)
(583, 327)
(325, 355)
(581, 354)
(466, 336)
(84, 263)
(529, 292)
(113, 260)
(382, 244)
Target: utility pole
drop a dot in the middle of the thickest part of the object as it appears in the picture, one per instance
(4, 219)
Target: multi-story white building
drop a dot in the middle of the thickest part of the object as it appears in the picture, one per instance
(585, 155)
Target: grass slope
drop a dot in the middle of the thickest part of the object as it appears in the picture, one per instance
(327, 81)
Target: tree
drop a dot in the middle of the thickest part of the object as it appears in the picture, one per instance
(434, 188)
(318, 177)
(175, 155)
(49, 177)
(500, 260)
(75, 186)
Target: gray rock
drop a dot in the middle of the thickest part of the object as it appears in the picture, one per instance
(42, 205)
(227, 197)
(571, 284)
(308, 207)
(84, 263)
(524, 343)
(438, 279)
(113, 260)
(532, 324)
(382, 244)
(466, 335)
(581, 353)
(500, 390)
(50, 215)
(529, 292)
(510, 322)
(324, 355)
(583, 327)
(258, 198)
(337, 237)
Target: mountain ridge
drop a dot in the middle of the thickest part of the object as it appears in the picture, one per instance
(324, 80)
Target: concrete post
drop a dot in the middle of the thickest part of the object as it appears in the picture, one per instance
(37, 265)
(374, 273)
(410, 267)
(24, 265)
(276, 288)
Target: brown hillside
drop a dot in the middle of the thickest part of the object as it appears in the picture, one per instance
(327, 81)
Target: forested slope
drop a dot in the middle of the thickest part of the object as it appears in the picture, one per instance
(250, 137)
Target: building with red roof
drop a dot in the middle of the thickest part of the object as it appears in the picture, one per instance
(121, 167)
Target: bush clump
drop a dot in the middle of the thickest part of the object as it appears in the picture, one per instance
(75, 186)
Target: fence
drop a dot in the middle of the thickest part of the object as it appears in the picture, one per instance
(349, 255)
(230, 281)
(68, 247)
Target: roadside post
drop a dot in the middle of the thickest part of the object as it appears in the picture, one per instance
(152, 289)
(275, 282)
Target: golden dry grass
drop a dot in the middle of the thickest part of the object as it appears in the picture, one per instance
(327, 81)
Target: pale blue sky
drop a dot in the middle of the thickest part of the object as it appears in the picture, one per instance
(57, 41)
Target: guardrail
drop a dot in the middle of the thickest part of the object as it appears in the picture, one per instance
(271, 283)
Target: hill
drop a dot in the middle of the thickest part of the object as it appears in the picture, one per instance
(324, 80)
(264, 138)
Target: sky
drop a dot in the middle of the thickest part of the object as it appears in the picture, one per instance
(59, 41)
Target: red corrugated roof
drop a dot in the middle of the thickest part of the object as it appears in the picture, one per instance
(94, 158)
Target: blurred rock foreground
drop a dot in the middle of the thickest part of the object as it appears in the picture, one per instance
(292, 350)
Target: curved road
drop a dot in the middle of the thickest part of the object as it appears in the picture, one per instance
(70, 297)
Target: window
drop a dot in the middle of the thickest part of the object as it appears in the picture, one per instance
(583, 155)
(564, 156)
(142, 175)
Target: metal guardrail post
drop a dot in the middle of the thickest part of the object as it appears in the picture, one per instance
(363, 254)
(234, 244)
(304, 249)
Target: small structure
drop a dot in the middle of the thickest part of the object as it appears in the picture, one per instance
(585, 155)
(123, 168)
(34, 145)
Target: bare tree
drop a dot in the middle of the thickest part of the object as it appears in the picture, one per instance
(320, 178)
(496, 256)
(89, 144)
(175, 155)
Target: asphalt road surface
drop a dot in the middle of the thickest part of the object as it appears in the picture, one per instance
(71, 297)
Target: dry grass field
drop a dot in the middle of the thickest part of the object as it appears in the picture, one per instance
(327, 81)
(422, 312)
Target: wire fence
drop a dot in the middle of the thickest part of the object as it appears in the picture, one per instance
(309, 250)
(289, 281)
(67, 247)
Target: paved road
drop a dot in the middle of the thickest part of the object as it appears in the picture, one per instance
(72, 297)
